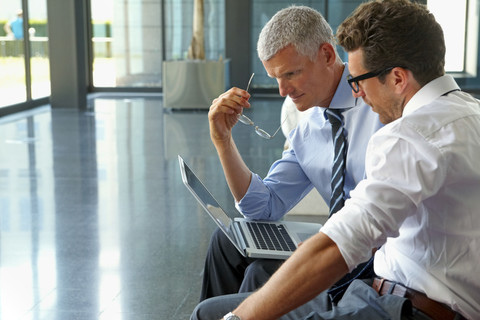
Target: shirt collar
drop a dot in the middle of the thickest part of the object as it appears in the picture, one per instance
(343, 98)
(430, 92)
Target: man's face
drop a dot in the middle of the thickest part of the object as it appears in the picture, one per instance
(380, 96)
(308, 83)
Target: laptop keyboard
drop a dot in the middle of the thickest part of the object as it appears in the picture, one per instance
(270, 236)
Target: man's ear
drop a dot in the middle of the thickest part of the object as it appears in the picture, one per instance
(404, 81)
(401, 78)
(327, 52)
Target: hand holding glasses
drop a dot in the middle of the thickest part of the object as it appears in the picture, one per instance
(246, 120)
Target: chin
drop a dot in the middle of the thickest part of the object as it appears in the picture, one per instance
(384, 120)
(302, 108)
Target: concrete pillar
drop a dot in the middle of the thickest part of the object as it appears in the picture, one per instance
(67, 34)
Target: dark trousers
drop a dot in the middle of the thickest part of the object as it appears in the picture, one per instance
(360, 302)
(227, 271)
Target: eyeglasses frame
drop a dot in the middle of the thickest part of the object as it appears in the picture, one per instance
(246, 120)
(353, 81)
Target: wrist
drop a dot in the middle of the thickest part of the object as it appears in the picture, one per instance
(231, 316)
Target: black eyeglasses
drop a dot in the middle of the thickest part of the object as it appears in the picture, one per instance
(353, 81)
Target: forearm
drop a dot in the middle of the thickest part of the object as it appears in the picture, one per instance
(237, 174)
(314, 267)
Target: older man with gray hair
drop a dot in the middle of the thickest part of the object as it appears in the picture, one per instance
(297, 49)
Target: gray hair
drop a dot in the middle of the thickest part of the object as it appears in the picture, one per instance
(303, 27)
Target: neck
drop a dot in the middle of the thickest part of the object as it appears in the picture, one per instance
(338, 69)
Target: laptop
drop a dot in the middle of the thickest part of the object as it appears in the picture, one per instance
(255, 239)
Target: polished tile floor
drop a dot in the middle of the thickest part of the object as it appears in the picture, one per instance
(95, 222)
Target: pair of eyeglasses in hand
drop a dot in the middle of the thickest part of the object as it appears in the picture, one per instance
(246, 120)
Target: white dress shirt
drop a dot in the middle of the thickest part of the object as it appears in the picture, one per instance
(421, 199)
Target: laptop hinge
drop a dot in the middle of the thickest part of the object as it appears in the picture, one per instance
(239, 234)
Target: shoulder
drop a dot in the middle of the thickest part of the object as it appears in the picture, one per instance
(452, 111)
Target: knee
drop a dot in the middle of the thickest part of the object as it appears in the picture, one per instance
(218, 235)
(264, 267)
(201, 311)
(254, 269)
(217, 307)
(218, 238)
(219, 242)
(257, 273)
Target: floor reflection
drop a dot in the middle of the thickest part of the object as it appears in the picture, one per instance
(95, 222)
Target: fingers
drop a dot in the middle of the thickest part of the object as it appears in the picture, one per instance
(223, 113)
(231, 102)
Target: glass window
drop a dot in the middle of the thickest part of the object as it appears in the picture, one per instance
(126, 43)
(127, 38)
(39, 61)
(12, 63)
(179, 29)
(459, 20)
(21, 81)
(452, 17)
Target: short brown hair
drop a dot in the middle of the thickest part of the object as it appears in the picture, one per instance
(395, 33)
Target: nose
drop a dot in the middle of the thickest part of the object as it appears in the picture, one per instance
(284, 87)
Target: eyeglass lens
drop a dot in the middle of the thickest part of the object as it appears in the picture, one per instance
(246, 120)
(262, 133)
(354, 86)
(353, 81)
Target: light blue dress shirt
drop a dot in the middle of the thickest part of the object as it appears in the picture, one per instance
(308, 162)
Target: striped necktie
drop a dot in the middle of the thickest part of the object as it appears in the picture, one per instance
(363, 270)
(340, 152)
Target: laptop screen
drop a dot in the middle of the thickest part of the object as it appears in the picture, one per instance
(204, 196)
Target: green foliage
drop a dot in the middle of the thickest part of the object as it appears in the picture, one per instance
(2, 32)
(40, 26)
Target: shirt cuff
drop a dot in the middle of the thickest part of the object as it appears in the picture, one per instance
(253, 204)
(351, 247)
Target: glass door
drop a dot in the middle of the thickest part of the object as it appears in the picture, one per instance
(24, 62)
(38, 36)
(12, 52)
